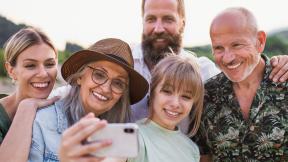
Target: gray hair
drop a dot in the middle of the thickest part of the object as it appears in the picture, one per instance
(74, 110)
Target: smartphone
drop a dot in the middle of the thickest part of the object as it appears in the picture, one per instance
(124, 138)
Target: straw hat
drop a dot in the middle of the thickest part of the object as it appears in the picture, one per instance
(114, 50)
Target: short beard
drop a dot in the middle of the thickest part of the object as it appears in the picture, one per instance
(154, 55)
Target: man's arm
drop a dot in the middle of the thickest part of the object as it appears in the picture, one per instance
(280, 68)
(206, 158)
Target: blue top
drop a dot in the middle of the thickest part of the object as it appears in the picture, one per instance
(48, 126)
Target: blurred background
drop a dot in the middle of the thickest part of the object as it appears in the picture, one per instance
(75, 24)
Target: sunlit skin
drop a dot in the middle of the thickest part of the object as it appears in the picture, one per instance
(100, 98)
(169, 106)
(236, 48)
(35, 72)
(161, 16)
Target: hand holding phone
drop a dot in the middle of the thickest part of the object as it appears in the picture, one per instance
(124, 138)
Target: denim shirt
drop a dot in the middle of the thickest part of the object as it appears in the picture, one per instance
(48, 126)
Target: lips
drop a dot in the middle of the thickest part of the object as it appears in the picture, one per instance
(171, 114)
(233, 66)
(40, 84)
(99, 96)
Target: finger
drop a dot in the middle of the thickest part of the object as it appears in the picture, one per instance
(84, 129)
(284, 77)
(280, 69)
(46, 102)
(87, 149)
(88, 131)
(277, 71)
(89, 159)
(80, 124)
(274, 61)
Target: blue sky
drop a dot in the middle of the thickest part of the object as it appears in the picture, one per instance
(86, 21)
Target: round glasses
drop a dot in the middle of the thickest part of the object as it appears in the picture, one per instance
(100, 77)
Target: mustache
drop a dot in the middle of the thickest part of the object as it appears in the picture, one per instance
(165, 36)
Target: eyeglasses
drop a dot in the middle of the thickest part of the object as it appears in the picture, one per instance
(100, 77)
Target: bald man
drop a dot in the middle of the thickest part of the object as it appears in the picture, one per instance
(245, 114)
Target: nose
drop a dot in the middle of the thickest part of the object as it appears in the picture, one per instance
(228, 57)
(159, 28)
(42, 72)
(175, 101)
(106, 87)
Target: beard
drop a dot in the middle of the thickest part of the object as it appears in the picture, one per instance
(154, 54)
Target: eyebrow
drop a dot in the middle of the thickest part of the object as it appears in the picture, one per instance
(100, 67)
(30, 59)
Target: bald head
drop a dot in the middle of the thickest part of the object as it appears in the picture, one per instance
(240, 17)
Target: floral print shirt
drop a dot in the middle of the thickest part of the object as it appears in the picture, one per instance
(228, 137)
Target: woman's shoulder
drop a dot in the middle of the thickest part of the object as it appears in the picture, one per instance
(50, 112)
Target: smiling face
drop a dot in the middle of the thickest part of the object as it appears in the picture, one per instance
(99, 98)
(236, 45)
(169, 105)
(35, 71)
(162, 28)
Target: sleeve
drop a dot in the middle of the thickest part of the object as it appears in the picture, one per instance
(36, 153)
(60, 91)
(208, 68)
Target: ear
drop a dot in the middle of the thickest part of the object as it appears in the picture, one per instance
(79, 81)
(261, 39)
(182, 25)
(10, 70)
(183, 22)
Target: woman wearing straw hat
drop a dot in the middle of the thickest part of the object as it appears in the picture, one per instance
(103, 84)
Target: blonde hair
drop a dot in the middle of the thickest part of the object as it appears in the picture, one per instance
(119, 113)
(23, 39)
(183, 73)
(180, 8)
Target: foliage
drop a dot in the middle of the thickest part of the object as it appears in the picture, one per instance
(202, 51)
(62, 56)
(2, 69)
(72, 47)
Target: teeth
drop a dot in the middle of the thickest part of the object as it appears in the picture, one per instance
(172, 113)
(233, 66)
(100, 96)
(40, 85)
(160, 40)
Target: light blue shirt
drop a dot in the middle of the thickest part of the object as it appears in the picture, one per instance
(48, 126)
(158, 144)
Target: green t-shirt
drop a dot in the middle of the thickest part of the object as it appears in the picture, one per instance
(5, 123)
(158, 144)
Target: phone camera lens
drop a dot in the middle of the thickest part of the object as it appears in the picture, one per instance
(129, 130)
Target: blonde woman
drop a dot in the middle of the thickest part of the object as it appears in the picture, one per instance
(31, 62)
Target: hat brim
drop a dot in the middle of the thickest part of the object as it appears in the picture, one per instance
(138, 85)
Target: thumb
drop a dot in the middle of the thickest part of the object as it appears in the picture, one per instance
(89, 115)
